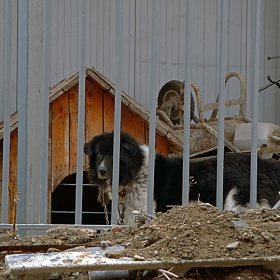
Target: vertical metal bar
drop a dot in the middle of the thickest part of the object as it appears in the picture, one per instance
(81, 116)
(117, 113)
(7, 109)
(45, 118)
(22, 107)
(152, 122)
(221, 112)
(187, 104)
(255, 105)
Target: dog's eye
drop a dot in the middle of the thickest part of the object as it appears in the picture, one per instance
(99, 154)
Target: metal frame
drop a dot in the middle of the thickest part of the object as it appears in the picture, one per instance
(22, 106)
(81, 116)
(152, 120)
(45, 118)
(221, 114)
(7, 88)
(22, 95)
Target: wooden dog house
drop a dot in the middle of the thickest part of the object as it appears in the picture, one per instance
(99, 117)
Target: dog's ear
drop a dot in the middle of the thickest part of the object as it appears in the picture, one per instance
(128, 150)
(88, 148)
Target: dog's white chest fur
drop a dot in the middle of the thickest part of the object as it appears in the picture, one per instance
(134, 196)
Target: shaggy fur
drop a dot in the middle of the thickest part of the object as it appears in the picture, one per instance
(133, 178)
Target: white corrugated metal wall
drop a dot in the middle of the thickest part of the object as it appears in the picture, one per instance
(101, 46)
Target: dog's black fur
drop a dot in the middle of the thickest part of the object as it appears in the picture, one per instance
(101, 148)
(168, 174)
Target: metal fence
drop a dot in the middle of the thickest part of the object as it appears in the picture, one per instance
(25, 73)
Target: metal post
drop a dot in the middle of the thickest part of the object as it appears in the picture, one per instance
(152, 122)
(255, 105)
(45, 118)
(7, 113)
(221, 112)
(117, 113)
(187, 103)
(81, 117)
(22, 106)
(34, 109)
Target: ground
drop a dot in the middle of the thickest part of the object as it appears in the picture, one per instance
(193, 232)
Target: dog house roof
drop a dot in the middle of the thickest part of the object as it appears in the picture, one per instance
(105, 84)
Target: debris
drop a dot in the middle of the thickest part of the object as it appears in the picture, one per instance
(113, 254)
(233, 245)
(140, 218)
(167, 272)
(138, 258)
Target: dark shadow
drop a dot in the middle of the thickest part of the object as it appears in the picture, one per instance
(63, 203)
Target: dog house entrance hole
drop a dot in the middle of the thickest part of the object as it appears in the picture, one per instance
(63, 203)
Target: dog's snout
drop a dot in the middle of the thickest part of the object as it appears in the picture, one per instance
(102, 170)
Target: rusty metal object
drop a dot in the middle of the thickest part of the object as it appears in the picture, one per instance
(170, 102)
(204, 133)
(277, 83)
(272, 57)
(215, 133)
(197, 92)
(201, 141)
(214, 106)
(240, 101)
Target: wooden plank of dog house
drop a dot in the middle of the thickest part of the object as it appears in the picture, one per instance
(98, 79)
(63, 86)
(60, 139)
(13, 197)
(1, 159)
(138, 109)
(50, 164)
(133, 125)
(73, 127)
(161, 144)
(13, 124)
(94, 111)
(1, 168)
(108, 112)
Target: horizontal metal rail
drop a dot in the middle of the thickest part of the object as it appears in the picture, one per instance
(73, 212)
(49, 226)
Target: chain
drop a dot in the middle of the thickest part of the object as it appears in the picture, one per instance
(121, 213)
(101, 200)
(106, 214)
(120, 208)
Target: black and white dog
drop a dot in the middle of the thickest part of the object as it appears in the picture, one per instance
(133, 179)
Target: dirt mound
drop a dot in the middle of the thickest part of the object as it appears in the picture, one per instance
(200, 231)
(193, 232)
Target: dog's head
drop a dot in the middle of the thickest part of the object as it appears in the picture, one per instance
(100, 153)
